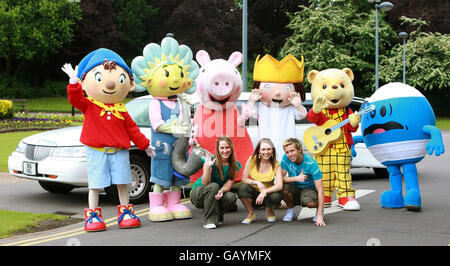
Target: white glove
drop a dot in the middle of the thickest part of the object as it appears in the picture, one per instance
(150, 151)
(72, 73)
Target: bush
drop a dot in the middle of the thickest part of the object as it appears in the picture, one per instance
(6, 110)
(24, 88)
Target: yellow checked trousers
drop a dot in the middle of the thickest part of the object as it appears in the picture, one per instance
(335, 167)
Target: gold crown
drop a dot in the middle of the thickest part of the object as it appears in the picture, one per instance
(269, 69)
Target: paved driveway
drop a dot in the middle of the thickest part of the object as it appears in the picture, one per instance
(371, 225)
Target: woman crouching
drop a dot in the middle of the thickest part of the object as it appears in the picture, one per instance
(211, 191)
(262, 181)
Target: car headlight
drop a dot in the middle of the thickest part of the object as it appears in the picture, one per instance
(21, 147)
(69, 152)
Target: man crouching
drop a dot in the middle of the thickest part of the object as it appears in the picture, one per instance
(303, 185)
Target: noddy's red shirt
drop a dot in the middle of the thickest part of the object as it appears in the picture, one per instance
(106, 130)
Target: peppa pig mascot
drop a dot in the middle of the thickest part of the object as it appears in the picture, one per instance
(219, 85)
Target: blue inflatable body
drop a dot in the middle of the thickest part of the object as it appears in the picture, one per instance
(399, 133)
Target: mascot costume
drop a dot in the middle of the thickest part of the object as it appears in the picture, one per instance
(278, 85)
(219, 87)
(332, 92)
(107, 130)
(398, 133)
(166, 71)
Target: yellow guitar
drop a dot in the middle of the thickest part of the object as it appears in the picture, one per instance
(317, 139)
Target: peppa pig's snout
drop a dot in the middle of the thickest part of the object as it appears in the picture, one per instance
(221, 85)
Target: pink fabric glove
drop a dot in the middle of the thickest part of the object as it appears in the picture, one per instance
(193, 137)
(150, 151)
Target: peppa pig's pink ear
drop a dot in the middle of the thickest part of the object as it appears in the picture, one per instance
(202, 57)
(235, 59)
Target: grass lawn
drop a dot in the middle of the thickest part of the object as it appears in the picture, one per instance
(443, 122)
(51, 104)
(8, 143)
(12, 222)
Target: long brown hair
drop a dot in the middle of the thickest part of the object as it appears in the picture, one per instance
(255, 156)
(232, 163)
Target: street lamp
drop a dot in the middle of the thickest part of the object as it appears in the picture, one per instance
(385, 6)
(404, 35)
(244, 45)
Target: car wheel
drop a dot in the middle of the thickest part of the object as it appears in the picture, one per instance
(140, 184)
(54, 187)
(381, 172)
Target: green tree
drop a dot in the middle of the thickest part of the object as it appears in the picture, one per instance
(33, 30)
(335, 34)
(138, 21)
(427, 64)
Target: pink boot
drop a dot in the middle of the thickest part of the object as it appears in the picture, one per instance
(178, 210)
(158, 212)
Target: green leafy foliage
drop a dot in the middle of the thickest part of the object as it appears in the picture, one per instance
(137, 20)
(31, 30)
(336, 35)
(427, 60)
(427, 65)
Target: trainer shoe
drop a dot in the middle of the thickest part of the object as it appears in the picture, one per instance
(290, 213)
(209, 226)
(349, 204)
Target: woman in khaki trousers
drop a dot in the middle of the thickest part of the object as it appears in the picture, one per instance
(211, 191)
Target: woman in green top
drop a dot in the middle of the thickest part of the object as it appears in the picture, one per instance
(212, 190)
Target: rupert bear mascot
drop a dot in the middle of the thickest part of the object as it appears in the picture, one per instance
(107, 130)
(332, 92)
(399, 133)
(166, 71)
(278, 86)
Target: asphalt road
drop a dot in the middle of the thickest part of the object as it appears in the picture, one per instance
(372, 225)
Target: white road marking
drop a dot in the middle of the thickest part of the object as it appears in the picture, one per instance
(310, 212)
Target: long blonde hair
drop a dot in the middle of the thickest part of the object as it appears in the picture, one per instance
(232, 163)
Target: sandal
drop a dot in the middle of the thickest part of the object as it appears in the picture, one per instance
(249, 220)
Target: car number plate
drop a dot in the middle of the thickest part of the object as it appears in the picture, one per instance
(29, 168)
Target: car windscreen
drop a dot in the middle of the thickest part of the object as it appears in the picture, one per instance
(138, 110)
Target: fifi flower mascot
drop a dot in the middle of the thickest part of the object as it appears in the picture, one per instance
(332, 91)
(399, 133)
(166, 71)
(107, 130)
(278, 86)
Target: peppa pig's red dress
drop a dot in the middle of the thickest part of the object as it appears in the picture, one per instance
(213, 124)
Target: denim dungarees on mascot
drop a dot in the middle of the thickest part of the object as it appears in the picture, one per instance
(166, 71)
(399, 133)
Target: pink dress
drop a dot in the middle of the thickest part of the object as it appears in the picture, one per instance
(212, 124)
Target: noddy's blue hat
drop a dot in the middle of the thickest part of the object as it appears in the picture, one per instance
(97, 57)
